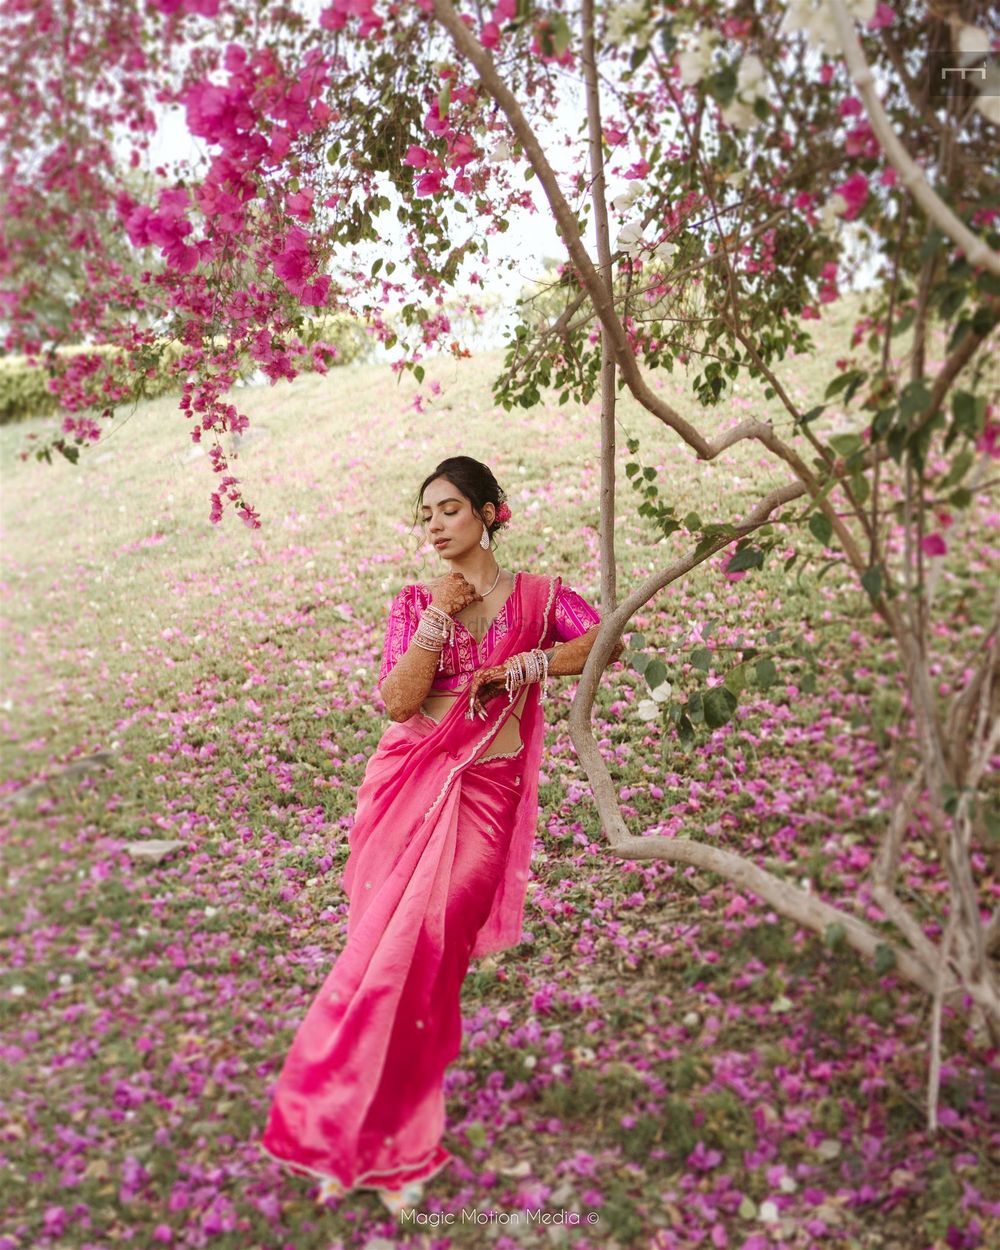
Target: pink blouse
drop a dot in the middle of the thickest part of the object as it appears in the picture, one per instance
(572, 616)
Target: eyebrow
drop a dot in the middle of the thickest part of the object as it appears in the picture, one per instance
(440, 501)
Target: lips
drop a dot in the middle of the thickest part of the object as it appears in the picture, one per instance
(442, 542)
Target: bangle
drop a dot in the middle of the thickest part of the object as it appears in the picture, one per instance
(434, 629)
(525, 667)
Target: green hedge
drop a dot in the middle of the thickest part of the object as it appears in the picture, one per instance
(24, 388)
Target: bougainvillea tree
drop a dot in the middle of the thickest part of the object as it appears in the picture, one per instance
(731, 167)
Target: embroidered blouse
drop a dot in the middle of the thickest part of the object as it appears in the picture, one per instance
(572, 616)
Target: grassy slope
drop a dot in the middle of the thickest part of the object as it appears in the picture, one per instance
(658, 1052)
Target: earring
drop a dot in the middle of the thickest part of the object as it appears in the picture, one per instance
(484, 542)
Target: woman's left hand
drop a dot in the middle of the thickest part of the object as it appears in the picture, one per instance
(486, 684)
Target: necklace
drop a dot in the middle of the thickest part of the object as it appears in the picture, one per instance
(495, 580)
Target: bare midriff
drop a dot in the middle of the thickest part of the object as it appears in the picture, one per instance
(507, 741)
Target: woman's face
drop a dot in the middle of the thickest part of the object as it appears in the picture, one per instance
(449, 521)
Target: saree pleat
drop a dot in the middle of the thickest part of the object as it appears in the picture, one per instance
(437, 873)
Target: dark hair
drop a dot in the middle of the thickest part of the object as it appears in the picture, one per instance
(476, 482)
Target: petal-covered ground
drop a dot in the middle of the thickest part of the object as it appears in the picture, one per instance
(663, 1062)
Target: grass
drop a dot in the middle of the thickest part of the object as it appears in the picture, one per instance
(657, 1052)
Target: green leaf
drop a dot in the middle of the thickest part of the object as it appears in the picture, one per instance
(418, 372)
(885, 959)
(719, 704)
(736, 679)
(905, 321)
(812, 414)
(844, 380)
(561, 34)
(702, 658)
(960, 466)
(821, 527)
(834, 935)
(655, 674)
(871, 579)
(969, 412)
(844, 444)
(766, 672)
(747, 558)
(692, 522)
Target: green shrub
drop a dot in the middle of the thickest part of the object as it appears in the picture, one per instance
(24, 387)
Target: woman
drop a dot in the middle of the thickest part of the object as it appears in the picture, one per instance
(439, 850)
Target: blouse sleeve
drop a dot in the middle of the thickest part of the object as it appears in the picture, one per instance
(399, 630)
(573, 615)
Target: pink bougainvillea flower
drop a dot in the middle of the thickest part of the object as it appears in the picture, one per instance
(299, 204)
(291, 265)
(429, 183)
(418, 157)
(989, 440)
(850, 106)
(434, 122)
(934, 545)
(335, 16)
(861, 141)
(461, 151)
(854, 192)
(489, 35)
(885, 15)
(314, 294)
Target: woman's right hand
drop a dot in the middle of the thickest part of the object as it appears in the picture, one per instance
(451, 593)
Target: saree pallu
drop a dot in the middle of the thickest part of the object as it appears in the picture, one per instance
(437, 875)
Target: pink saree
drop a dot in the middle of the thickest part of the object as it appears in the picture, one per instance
(437, 875)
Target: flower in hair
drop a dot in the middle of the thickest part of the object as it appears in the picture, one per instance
(503, 514)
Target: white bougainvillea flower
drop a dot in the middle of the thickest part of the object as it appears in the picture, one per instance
(623, 202)
(665, 250)
(694, 58)
(629, 21)
(630, 238)
(500, 153)
(816, 20)
(832, 210)
(649, 709)
(740, 115)
(751, 76)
